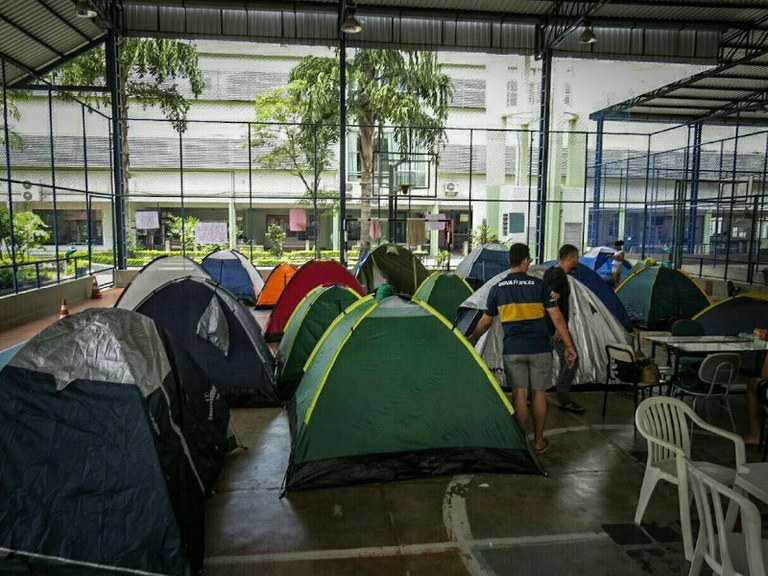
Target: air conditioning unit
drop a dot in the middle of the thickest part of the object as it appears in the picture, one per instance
(353, 189)
(31, 196)
(451, 189)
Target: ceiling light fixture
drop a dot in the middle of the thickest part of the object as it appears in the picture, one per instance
(587, 36)
(351, 25)
(85, 9)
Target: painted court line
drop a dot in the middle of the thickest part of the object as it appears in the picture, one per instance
(403, 550)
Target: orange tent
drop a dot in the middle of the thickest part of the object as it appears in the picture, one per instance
(275, 284)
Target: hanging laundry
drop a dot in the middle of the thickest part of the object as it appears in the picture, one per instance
(374, 230)
(297, 220)
(435, 221)
(448, 230)
(415, 232)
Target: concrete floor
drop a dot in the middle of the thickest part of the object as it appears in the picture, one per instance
(577, 520)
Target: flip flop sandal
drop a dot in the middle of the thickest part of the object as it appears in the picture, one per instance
(543, 448)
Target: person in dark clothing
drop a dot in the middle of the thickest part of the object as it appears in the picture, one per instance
(556, 279)
(522, 303)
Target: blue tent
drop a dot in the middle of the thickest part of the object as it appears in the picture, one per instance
(483, 263)
(599, 288)
(235, 272)
(220, 334)
(598, 261)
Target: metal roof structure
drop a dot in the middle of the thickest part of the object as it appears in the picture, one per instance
(735, 92)
(36, 35)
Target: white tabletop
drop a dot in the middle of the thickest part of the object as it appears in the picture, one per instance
(693, 339)
(753, 479)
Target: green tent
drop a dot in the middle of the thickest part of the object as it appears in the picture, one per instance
(312, 317)
(390, 392)
(445, 292)
(391, 264)
(656, 296)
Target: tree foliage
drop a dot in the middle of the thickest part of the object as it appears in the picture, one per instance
(405, 90)
(29, 231)
(13, 98)
(152, 75)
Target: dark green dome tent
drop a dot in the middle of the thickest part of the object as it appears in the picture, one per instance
(391, 392)
(312, 317)
(656, 296)
(444, 291)
(394, 265)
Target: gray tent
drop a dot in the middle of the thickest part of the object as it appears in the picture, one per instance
(591, 324)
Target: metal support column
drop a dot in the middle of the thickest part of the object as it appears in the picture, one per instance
(112, 54)
(695, 174)
(644, 237)
(544, 121)
(7, 143)
(594, 220)
(54, 195)
(343, 137)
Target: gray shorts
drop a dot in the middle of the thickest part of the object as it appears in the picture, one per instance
(532, 371)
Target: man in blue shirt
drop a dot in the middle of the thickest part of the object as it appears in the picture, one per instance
(522, 304)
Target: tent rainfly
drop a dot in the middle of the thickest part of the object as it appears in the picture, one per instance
(374, 405)
(591, 325)
(220, 334)
(312, 317)
(732, 316)
(597, 260)
(656, 296)
(394, 265)
(311, 275)
(444, 291)
(109, 441)
(601, 289)
(235, 272)
(161, 270)
(276, 282)
(483, 263)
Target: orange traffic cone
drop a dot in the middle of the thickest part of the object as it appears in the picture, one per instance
(95, 292)
(64, 310)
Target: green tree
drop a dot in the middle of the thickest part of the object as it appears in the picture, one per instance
(13, 98)
(276, 236)
(151, 73)
(29, 231)
(183, 229)
(385, 87)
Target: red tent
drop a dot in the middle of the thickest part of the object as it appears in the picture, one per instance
(313, 274)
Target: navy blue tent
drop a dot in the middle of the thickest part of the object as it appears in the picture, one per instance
(483, 263)
(235, 272)
(103, 466)
(220, 334)
(601, 289)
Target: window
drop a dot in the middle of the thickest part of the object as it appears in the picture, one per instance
(512, 92)
(533, 93)
(512, 223)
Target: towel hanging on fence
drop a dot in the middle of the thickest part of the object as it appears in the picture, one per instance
(374, 230)
(415, 232)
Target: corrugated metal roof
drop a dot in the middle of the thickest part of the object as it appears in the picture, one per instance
(38, 34)
(734, 92)
(666, 30)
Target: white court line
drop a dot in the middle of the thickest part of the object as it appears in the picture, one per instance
(403, 550)
(456, 525)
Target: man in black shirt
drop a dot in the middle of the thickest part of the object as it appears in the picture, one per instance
(556, 279)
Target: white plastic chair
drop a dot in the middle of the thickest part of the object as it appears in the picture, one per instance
(726, 552)
(717, 372)
(666, 424)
